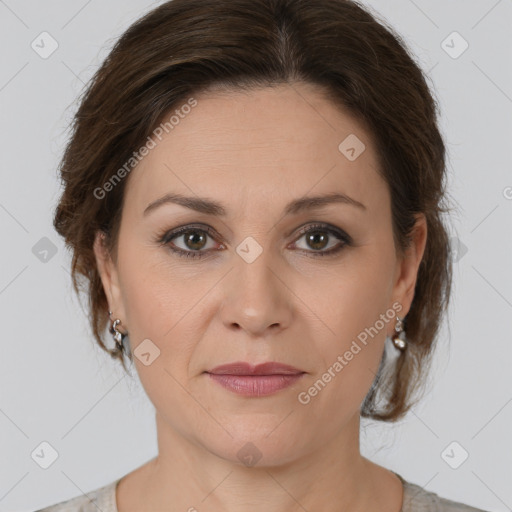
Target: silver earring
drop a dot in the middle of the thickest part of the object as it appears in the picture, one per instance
(118, 335)
(399, 342)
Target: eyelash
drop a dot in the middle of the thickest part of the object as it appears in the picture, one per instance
(167, 236)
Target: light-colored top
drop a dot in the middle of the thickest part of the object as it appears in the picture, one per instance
(415, 499)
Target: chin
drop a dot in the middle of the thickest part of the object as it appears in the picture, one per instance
(257, 443)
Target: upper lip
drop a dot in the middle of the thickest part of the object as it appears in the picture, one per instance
(243, 368)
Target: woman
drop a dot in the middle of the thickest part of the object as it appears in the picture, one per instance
(253, 190)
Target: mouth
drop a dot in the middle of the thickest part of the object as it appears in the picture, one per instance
(261, 380)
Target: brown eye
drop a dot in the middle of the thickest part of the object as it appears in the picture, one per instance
(194, 239)
(190, 241)
(318, 238)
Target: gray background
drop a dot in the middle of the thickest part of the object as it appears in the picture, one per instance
(56, 386)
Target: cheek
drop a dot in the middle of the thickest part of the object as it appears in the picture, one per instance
(151, 302)
(152, 290)
(349, 362)
(356, 293)
(156, 308)
(358, 311)
(156, 300)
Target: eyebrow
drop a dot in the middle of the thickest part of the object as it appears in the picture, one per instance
(211, 207)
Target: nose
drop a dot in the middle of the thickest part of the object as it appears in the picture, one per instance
(256, 298)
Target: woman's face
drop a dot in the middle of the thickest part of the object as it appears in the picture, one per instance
(255, 287)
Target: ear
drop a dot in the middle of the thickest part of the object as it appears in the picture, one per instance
(109, 277)
(406, 272)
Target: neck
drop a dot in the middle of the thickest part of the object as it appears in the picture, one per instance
(330, 477)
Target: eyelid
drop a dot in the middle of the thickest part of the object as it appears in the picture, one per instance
(328, 228)
(169, 235)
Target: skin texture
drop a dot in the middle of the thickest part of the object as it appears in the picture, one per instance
(254, 152)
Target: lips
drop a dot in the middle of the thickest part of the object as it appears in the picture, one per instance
(243, 368)
(255, 381)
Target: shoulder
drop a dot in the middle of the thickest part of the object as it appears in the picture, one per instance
(103, 498)
(417, 499)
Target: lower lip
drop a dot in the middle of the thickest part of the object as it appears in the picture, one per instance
(255, 385)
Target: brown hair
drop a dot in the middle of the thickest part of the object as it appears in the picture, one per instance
(184, 47)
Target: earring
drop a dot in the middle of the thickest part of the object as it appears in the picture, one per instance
(118, 335)
(400, 343)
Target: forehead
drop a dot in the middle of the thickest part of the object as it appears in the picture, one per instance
(260, 148)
